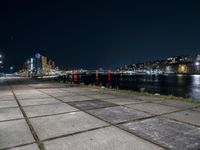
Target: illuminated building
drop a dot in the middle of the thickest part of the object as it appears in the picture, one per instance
(31, 65)
(44, 64)
(183, 68)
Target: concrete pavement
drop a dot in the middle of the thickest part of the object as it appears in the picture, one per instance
(42, 115)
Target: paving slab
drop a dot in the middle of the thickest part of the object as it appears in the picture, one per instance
(91, 104)
(123, 101)
(7, 104)
(167, 133)
(48, 109)
(153, 108)
(75, 98)
(58, 125)
(109, 138)
(188, 116)
(10, 113)
(118, 114)
(29, 102)
(178, 104)
(13, 133)
(27, 147)
(103, 96)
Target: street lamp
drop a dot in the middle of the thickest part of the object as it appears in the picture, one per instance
(197, 63)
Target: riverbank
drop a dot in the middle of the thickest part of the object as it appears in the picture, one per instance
(142, 93)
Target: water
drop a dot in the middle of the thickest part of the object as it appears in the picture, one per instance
(187, 86)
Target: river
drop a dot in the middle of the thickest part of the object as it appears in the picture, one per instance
(187, 86)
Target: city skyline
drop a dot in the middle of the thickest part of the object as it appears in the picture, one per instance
(93, 34)
(40, 64)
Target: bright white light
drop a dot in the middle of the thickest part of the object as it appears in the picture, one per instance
(1, 62)
(197, 63)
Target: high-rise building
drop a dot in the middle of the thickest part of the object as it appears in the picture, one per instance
(198, 58)
(38, 59)
(44, 64)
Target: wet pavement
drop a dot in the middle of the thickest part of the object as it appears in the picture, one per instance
(45, 115)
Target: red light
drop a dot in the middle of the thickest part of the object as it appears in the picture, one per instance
(97, 75)
(109, 77)
(75, 76)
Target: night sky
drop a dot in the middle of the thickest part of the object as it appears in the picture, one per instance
(91, 34)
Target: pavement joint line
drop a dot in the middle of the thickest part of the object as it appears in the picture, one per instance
(7, 148)
(35, 136)
(21, 99)
(27, 99)
(12, 119)
(9, 107)
(41, 104)
(75, 133)
(115, 125)
(7, 100)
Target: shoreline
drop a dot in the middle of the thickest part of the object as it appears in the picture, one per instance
(130, 92)
(139, 93)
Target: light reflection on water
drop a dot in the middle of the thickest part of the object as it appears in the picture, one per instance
(195, 87)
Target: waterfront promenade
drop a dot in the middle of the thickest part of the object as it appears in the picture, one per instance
(44, 115)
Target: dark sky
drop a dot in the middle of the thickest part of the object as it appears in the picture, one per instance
(91, 34)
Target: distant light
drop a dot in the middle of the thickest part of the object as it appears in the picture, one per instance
(197, 63)
(1, 61)
(11, 68)
(0, 55)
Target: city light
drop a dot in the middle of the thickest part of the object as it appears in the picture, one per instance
(1, 61)
(197, 63)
